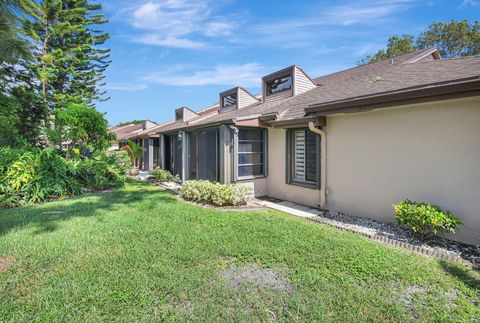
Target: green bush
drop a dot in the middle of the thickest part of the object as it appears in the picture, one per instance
(424, 219)
(102, 171)
(39, 175)
(33, 175)
(162, 175)
(214, 193)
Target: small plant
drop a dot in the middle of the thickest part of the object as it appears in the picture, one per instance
(134, 150)
(215, 193)
(163, 175)
(424, 219)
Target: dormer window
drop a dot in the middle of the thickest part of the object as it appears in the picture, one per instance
(236, 98)
(279, 84)
(285, 83)
(184, 114)
(229, 100)
(179, 116)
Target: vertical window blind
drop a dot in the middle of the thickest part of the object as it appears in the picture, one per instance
(304, 157)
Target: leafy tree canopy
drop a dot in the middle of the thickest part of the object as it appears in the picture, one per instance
(121, 124)
(453, 39)
(80, 125)
(13, 47)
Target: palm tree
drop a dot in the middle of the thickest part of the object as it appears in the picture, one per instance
(13, 47)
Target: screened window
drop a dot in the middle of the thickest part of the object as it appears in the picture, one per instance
(251, 152)
(229, 100)
(279, 84)
(304, 157)
(207, 154)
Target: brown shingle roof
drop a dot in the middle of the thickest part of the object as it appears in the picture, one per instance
(363, 80)
(376, 67)
(173, 126)
(123, 132)
(398, 77)
(353, 84)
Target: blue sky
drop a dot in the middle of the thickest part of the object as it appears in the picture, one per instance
(172, 53)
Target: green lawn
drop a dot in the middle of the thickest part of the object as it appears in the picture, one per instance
(139, 254)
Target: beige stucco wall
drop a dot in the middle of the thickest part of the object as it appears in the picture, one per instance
(258, 186)
(276, 185)
(428, 152)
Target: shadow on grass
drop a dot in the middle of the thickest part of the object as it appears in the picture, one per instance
(468, 277)
(46, 216)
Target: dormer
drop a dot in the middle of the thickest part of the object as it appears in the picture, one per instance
(236, 98)
(286, 83)
(184, 114)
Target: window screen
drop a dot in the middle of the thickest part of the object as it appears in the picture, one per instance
(156, 146)
(251, 152)
(279, 84)
(207, 154)
(192, 155)
(304, 156)
(177, 155)
(229, 100)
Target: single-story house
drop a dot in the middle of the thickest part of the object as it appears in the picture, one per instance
(356, 141)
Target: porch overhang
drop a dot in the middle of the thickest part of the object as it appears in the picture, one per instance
(299, 122)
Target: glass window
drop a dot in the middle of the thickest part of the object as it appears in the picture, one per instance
(304, 157)
(229, 100)
(279, 84)
(251, 152)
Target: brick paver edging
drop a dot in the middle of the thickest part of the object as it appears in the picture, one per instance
(399, 244)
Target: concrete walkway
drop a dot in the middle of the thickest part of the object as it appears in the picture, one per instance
(289, 207)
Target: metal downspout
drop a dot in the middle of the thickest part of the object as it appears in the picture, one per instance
(323, 162)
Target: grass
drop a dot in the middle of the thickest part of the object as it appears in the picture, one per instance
(140, 254)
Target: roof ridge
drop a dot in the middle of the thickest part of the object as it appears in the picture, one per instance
(449, 59)
(415, 53)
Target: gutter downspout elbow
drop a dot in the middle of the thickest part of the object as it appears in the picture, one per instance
(323, 162)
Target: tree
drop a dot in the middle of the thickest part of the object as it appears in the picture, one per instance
(51, 90)
(453, 39)
(397, 45)
(81, 126)
(12, 46)
(69, 66)
(8, 119)
(121, 124)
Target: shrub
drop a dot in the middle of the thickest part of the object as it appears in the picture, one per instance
(38, 175)
(34, 175)
(102, 171)
(162, 175)
(424, 219)
(214, 193)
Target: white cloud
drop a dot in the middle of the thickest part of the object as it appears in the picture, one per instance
(177, 23)
(158, 40)
(122, 86)
(218, 28)
(248, 74)
(471, 3)
(364, 12)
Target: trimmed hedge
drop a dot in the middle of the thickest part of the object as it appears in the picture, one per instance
(204, 191)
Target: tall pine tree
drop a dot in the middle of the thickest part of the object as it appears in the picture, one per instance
(70, 62)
